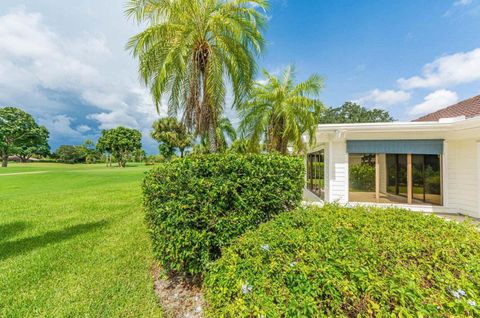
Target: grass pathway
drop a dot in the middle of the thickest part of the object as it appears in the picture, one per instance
(73, 243)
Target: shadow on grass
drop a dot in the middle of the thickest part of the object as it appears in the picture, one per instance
(22, 246)
(11, 229)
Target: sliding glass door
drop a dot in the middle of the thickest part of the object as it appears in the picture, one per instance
(426, 179)
(397, 176)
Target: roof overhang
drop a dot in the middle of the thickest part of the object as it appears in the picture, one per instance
(468, 128)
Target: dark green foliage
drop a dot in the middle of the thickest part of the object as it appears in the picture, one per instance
(70, 154)
(342, 262)
(199, 204)
(353, 113)
(35, 145)
(120, 142)
(20, 135)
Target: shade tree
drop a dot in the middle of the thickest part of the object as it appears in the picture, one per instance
(20, 134)
(351, 112)
(120, 143)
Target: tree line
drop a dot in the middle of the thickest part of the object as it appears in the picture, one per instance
(21, 136)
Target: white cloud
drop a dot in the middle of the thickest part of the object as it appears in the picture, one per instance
(47, 74)
(83, 128)
(384, 98)
(435, 101)
(113, 119)
(60, 124)
(458, 68)
(462, 2)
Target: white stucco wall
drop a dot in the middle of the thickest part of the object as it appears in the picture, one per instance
(462, 179)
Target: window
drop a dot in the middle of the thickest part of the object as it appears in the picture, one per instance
(395, 178)
(362, 187)
(315, 181)
(426, 179)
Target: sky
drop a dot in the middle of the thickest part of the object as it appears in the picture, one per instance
(65, 62)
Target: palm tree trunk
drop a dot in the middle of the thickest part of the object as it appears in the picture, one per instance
(212, 139)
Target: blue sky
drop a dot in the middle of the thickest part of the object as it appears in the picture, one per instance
(65, 63)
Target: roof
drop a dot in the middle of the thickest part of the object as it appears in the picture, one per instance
(469, 108)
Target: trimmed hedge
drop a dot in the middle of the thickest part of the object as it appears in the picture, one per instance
(340, 262)
(196, 205)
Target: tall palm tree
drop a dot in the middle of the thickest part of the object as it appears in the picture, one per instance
(191, 49)
(281, 111)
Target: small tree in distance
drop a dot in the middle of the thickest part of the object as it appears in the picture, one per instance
(121, 143)
(171, 134)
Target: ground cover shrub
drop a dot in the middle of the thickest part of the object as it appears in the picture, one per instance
(341, 262)
(199, 204)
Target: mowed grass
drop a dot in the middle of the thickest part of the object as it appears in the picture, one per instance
(73, 242)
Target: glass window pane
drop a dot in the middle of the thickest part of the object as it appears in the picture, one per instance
(396, 178)
(433, 185)
(362, 178)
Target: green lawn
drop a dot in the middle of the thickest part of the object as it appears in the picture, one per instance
(73, 243)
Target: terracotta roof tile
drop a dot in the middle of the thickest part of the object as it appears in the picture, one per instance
(468, 108)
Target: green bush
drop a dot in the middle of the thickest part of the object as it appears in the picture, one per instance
(198, 204)
(340, 262)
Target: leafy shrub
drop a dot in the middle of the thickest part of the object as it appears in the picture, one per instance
(362, 177)
(340, 262)
(198, 204)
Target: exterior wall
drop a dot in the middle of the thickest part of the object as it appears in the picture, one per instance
(338, 172)
(462, 179)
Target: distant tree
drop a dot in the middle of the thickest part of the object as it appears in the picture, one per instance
(120, 142)
(139, 155)
(20, 133)
(70, 154)
(37, 145)
(90, 152)
(281, 111)
(351, 112)
(171, 134)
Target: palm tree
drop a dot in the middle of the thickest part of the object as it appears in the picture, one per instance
(191, 49)
(280, 111)
(225, 130)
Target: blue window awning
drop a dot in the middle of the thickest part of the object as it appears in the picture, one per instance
(415, 147)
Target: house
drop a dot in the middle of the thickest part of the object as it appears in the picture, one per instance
(431, 164)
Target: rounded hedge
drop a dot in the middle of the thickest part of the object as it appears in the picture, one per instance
(341, 262)
(196, 205)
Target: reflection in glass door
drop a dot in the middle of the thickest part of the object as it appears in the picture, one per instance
(426, 178)
(316, 173)
(397, 176)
